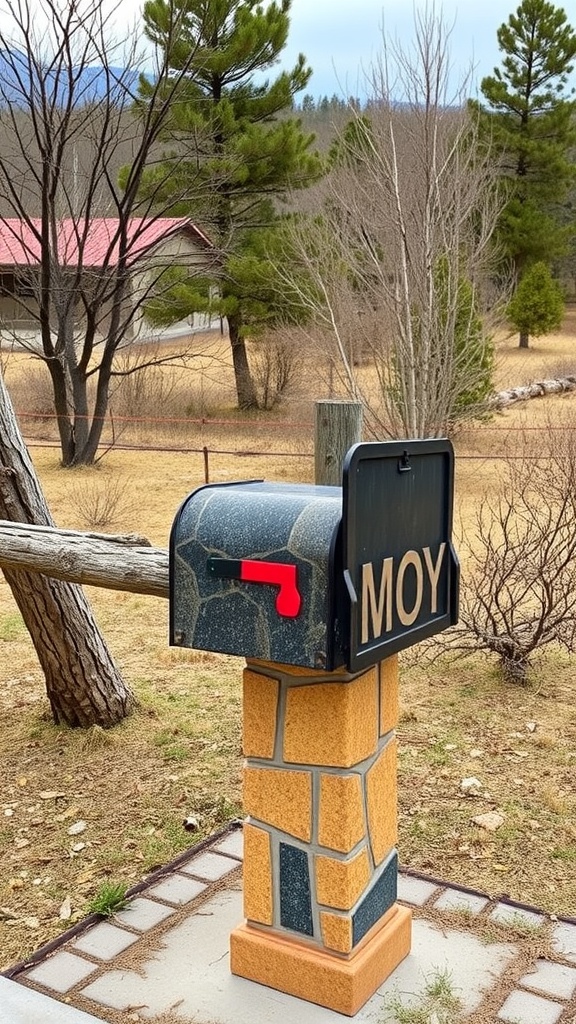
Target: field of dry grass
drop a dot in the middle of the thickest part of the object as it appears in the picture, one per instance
(179, 755)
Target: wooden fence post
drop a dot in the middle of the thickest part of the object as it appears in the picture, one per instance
(337, 426)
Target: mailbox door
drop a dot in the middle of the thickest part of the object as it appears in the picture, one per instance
(400, 567)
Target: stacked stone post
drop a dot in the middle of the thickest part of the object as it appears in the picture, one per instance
(320, 859)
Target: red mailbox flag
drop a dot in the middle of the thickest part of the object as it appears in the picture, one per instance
(280, 574)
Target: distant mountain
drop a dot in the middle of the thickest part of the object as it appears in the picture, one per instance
(18, 82)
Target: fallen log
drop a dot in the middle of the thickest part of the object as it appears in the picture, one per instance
(116, 562)
(537, 389)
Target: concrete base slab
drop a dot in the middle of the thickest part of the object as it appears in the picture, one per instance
(19, 1005)
(190, 975)
(167, 957)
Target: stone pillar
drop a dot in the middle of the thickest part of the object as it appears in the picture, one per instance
(320, 863)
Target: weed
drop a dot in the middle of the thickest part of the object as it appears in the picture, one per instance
(111, 896)
(165, 844)
(172, 749)
(437, 1003)
(463, 913)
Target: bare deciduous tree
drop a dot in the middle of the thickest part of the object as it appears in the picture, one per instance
(70, 119)
(399, 255)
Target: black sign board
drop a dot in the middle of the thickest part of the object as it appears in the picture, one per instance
(400, 568)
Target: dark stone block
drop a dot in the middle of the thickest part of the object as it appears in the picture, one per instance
(295, 898)
(377, 901)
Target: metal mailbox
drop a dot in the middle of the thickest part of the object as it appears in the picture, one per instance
(321, 577)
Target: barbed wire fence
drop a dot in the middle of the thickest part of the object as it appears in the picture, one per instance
(239, 438)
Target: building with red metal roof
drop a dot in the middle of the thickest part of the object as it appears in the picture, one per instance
(91, 249)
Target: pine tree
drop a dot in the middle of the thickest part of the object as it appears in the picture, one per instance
(537, 306)
(246, 153)
(531, 120)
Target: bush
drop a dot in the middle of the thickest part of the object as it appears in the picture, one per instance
(518, 591)
(275, 368)
(103, 500)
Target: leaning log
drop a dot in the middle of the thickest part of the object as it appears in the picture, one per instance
(125, 562)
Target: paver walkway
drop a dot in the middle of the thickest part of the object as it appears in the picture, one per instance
(166, 956)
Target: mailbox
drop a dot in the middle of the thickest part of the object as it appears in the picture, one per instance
(254, 571)
(321, 577)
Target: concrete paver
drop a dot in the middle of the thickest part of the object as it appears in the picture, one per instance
(210, 866)
(183, 967)
(203, 989)
(465, 902)
(104, 941)
(61, 972)
(524, 1008)
(177, 889)
(415, 891)
(503, 913)
(142, 914)
(551, 979)
(232, 844)
(564, 940)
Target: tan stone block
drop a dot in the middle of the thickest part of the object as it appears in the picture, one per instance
(260, 704)
(341, 817)
(388, 694)
(333, 724)
(257, 875)
(382, 802)
(280, 797)
(342, 984)
(336, 931)
(339, 883)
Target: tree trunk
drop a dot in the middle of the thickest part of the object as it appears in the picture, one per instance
(65, 430)
(245, 390)
(87, 454)
(524, 338)
(83, 684)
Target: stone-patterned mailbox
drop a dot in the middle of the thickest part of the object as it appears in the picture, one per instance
(253, 573)
(318, 587)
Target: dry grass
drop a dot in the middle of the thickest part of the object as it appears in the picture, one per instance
(180, 754)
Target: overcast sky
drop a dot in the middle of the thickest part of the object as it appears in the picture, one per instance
(338, 36)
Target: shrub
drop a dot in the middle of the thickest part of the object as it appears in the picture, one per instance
(518, 591)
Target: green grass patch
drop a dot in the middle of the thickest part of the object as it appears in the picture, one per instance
(111, 896)
(564, 853)
(12, 627)
(437, 1003)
